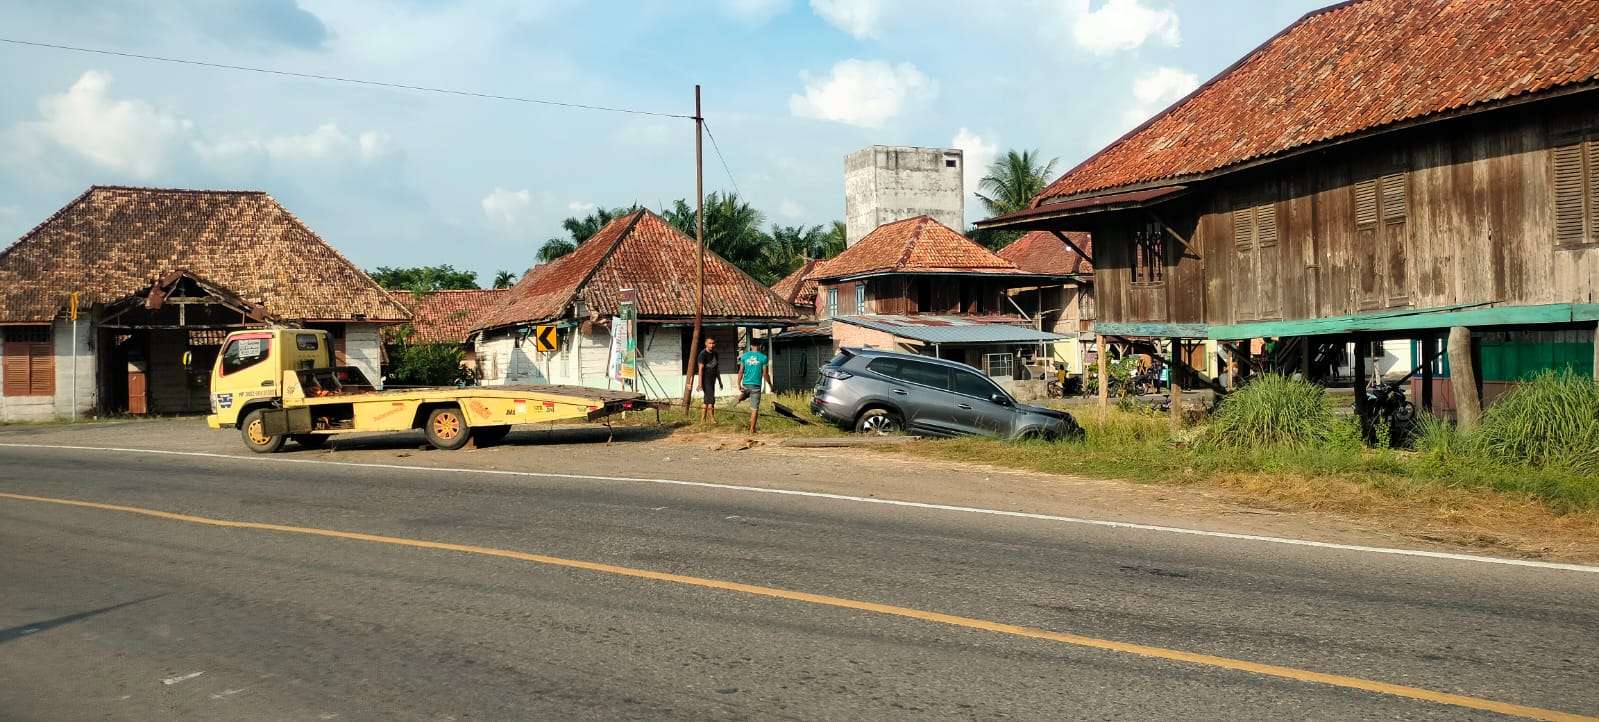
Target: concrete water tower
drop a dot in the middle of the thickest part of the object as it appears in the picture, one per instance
(887, 183)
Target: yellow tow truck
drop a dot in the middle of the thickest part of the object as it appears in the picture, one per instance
(280, 384)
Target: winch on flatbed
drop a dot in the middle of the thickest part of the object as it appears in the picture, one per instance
(280, 384)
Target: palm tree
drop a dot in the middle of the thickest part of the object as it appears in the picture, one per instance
(504, 279)
(1013, 180)
(732, 229)
(555, 248)
(580, 230)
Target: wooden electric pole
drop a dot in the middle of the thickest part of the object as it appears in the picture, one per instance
(699, 235)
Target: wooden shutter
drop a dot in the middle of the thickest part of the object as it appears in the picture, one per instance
(29, 369)
(1591, 192)
(1394, 198)
(1365, 203)
(1266, 225)
(1571, 187)
(1244, 228)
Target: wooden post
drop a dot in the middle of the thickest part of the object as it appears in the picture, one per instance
(1368, 431)
(1305, 343)
(1429, 343)
(1104, 377)
(1173, 370)
(699, 236)
(1463, 379)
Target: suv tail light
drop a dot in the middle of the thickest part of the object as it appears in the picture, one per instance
(833, 373)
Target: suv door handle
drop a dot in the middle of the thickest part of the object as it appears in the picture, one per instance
(968, 407)
(900, 392)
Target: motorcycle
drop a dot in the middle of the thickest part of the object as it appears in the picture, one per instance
(1386, 401)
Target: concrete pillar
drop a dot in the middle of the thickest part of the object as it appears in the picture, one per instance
(1176, 384)
(1463, 379)
(1104, 377)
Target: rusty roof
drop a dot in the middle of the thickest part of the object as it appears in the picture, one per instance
(798, 287)
(113, 241)
(447, 316)
(1042, 252)
(1350, 68)
(640, 251)
(913, 245)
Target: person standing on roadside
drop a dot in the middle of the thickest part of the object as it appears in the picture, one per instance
(707, 367)
(752, 370)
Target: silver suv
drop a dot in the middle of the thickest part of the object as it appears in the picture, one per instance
(882, 392)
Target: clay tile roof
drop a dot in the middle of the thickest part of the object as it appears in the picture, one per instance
(113, 241)
(913, 245)
(1042, 253)
(448, 316)
(1354, 67)
(640, 251)
(797, 287)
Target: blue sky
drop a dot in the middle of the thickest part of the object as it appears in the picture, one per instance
(402, 178)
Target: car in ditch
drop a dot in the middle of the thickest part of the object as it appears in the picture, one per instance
(883, 392)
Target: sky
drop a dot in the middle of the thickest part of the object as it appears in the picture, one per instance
(399, 177)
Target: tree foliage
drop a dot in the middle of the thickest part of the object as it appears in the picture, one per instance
(504, 279)
(1009, 185)
(424, 278)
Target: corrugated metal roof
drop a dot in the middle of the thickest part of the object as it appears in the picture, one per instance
(950, 329)
(1350, 68)
(112, 241)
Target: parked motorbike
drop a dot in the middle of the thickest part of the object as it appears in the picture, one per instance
(1386, 401)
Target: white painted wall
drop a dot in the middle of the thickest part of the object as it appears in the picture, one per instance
(503, 363)
(363, 349)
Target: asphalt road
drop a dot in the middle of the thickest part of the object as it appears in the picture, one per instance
(107, 614)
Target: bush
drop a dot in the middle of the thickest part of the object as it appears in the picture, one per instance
(1550, 420)
(430, 364)
(1274, 411)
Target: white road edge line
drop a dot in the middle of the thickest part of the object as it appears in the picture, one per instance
(858, 499)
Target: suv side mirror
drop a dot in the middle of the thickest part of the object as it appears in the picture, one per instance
(1000, 399)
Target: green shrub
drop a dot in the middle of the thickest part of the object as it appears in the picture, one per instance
(427, 364)
(1550, 420)
(1273, 411)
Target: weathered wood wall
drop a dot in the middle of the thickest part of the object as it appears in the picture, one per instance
(1449, 213)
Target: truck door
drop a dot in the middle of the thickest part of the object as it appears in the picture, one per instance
(245, 370)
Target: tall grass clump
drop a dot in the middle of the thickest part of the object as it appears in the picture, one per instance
(1276, 412)
(1550, 420)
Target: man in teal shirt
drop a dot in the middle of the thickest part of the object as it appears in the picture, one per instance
(752, 368)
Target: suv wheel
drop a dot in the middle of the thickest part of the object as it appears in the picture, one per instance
(880, 422)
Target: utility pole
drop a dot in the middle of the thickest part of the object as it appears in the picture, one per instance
(699, 235)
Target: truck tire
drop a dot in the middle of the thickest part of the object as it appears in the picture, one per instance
(255, 437)
(489, 435)
(310, 441)
(446, 428)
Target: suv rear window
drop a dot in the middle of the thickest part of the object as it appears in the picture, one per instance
(841, 359)
(886, 366)
(926, 374)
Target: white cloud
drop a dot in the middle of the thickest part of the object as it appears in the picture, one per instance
(507, 207)
(1155, 90)
(131, 136)
(580, 207)
(790, 209)
(859, 18)
(327, 144)
(755, 12)
(976, 153)
(865, 93)
(1122, 25)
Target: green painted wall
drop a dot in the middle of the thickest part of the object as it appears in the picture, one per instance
(1516, 360)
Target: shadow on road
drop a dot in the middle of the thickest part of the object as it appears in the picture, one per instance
(520, 437)
(18, 632)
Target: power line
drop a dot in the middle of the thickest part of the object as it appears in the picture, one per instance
(719, 157)
(353, 81)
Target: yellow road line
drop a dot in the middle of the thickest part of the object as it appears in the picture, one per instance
(1173, 655)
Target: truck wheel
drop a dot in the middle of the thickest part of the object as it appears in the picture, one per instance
(489, 435)
(446, 429)
(255, 435)
(310, 441)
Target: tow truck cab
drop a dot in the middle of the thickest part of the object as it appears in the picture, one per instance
(263, 366)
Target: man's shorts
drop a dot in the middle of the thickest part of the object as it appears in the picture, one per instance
(753, 393)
